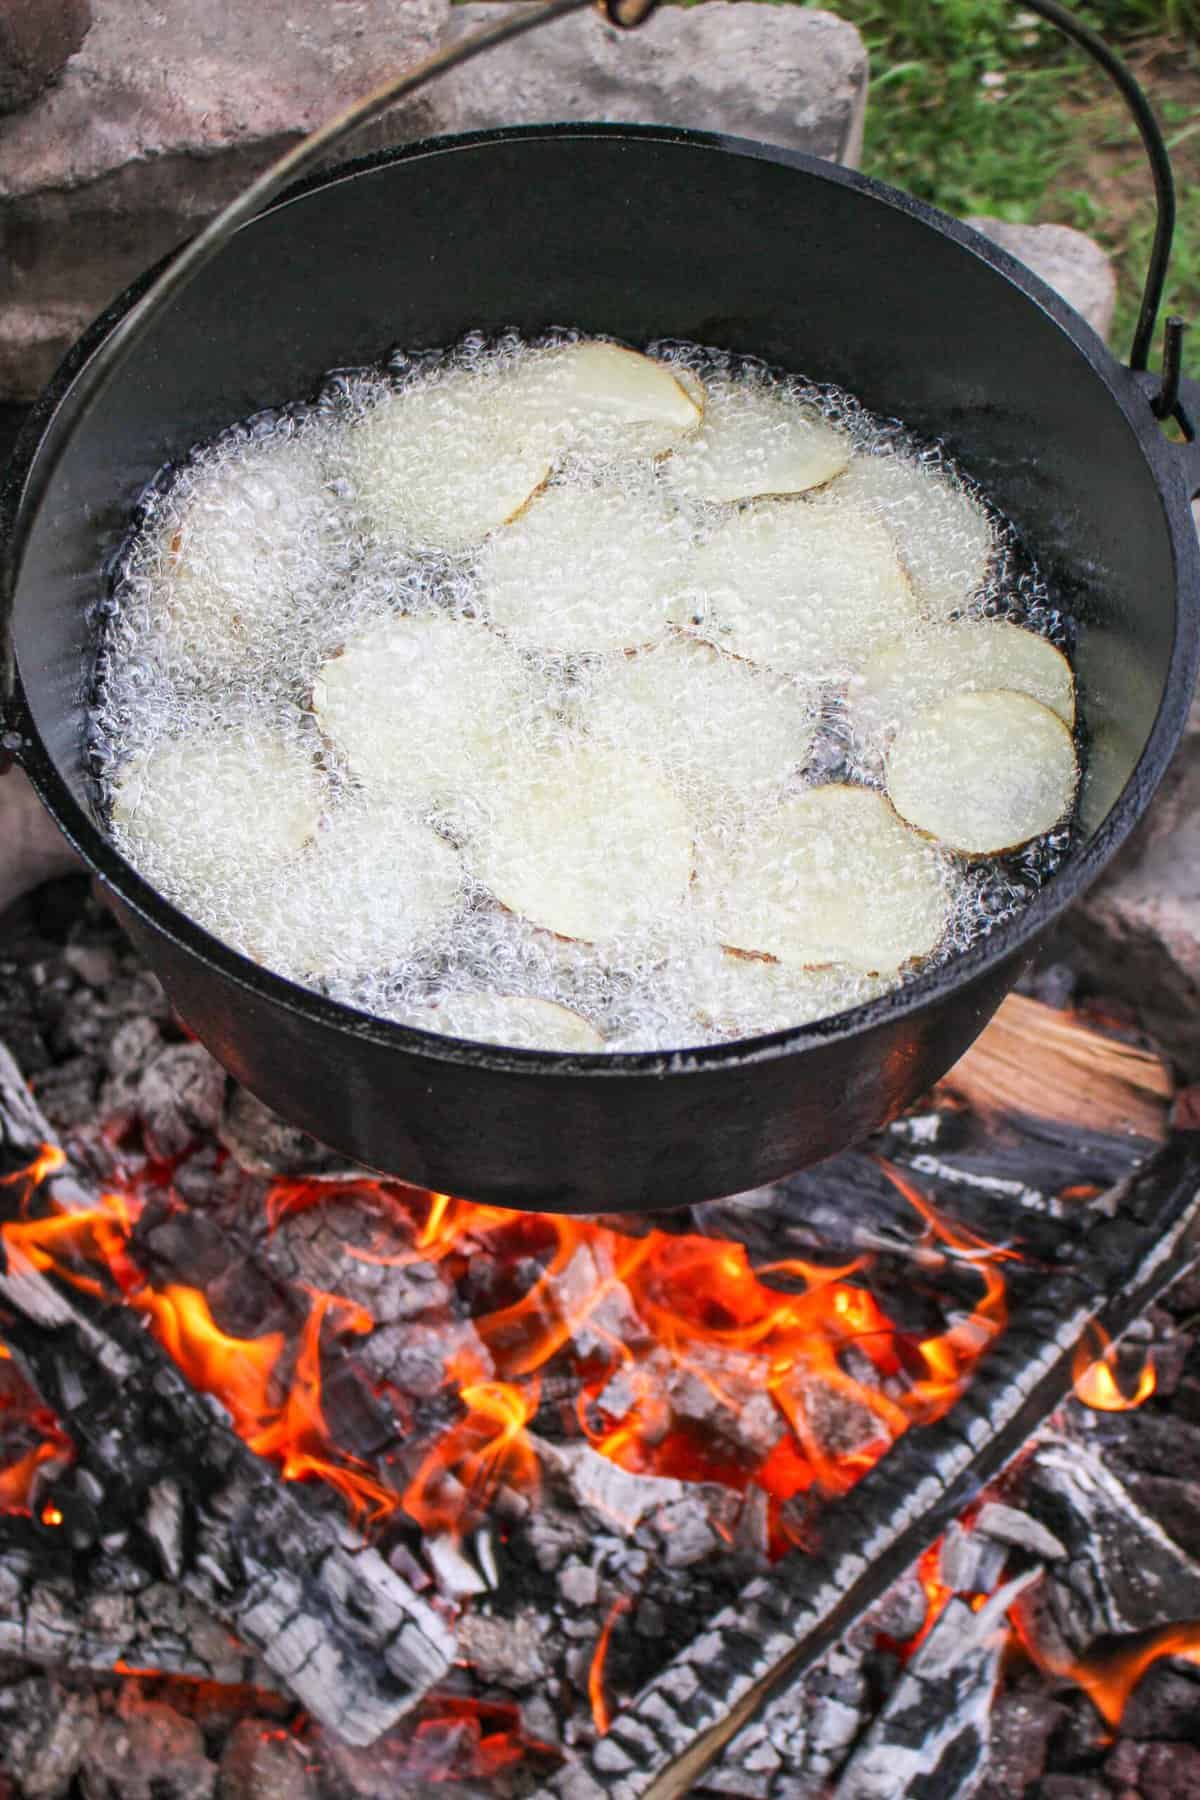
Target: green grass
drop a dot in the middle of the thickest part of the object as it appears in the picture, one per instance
(980, 107)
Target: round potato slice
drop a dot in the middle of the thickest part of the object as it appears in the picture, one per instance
(600, 399)
(199, 810)
(245, 542)
(806, 589)
(517, 1020)
(585, 569)
(450, 458)
(423, 705)
(944, 537)
(983, 772)
(586, 841)
(832, 876)
(960, 657)
(755, 440)
(744, 996)
(722, 729)
(373, 884)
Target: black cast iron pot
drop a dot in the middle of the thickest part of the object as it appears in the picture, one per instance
(637, 233)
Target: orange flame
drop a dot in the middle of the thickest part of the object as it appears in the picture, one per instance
(596, 1692)
(16, 1482)
(460, 1474)
(1094, 1372)
(1108, 1675)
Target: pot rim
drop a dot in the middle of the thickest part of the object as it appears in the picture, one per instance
(1130, 393)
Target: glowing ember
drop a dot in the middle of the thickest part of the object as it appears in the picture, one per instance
(801, 1340)
(1096, 1380)
(596, 1691)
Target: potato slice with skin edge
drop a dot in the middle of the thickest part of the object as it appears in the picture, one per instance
(600, 399)
(801, 588)
(983, 772)
(585, 570)
(424, 705)
(244, 540)
(202, 808)
(755, 441)
(720, 728)
(517, 1021)
(447, 460)
(945, 539)
(747, 996)
(373, 883)
(832, 876)
(961, 657)
(587, 842)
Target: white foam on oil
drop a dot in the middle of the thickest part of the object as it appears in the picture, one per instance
(322, 702)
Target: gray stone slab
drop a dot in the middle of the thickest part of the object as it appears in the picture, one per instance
(781, 74)
(165, 112)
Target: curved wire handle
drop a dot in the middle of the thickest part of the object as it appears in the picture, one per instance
(111, 355)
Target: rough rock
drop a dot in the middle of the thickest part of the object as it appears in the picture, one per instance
(1137, 931)
(1169, 1772)
(148, 1752)
(782, 74)
(1067, 260)
(262, 1762)
(36, 38)
(31, 847)
(161, 117)
(180, 1098)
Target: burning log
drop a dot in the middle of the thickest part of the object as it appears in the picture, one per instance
(932, 1734)
(1136, 1241)
(329, 1618)
(57, 1611)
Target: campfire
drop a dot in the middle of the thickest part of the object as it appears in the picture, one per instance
(385, 1489)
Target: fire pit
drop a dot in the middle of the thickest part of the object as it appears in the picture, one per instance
(520, 1504)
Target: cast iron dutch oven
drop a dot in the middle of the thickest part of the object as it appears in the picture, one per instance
(636, 233)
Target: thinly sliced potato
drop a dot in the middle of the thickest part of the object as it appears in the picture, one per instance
(586, 841)
(585, 569)
(722, 729)
(744, 996)
(803, 588)
(599, 399)
(983, 772)
(373, 884)
(961, 657)
(832, 876)
(944, 537)
(517, 1020)
(244, 542)
(201, 809)
(423, 706)
(443, 462)
(755, 440)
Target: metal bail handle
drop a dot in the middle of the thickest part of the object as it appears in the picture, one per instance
(108, 360)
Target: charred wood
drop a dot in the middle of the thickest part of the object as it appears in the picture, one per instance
(1135, 1243)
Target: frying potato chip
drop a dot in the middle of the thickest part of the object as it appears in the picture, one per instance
(722, 729)
(745, 996)
(243, 544)
(373, 883)
(960, 657)
(755, 441)
(206, 806)
(442, 463)
(516, 1020)
(586, 841)
(832, 876)
(424, 705)
(600, 399)
(585, 569)
(983, 772)
(944, 537)
(803, 588)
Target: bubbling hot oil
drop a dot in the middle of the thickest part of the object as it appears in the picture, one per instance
(272, 514)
